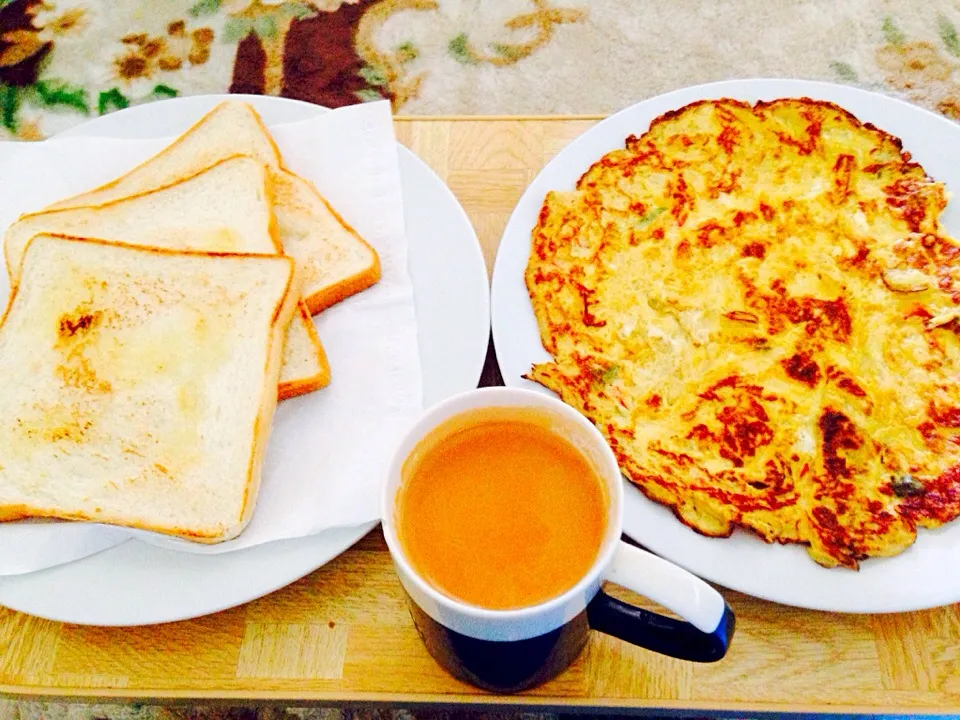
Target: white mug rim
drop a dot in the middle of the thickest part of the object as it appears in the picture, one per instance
(440, 412)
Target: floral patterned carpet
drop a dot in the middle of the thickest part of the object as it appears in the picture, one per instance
(64, 61)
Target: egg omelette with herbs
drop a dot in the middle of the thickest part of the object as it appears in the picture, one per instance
(758, 307)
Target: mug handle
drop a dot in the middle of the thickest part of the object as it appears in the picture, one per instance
(708, 623)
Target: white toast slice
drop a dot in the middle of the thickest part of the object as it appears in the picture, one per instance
(226, 208)
(140, 385)
(335, 261)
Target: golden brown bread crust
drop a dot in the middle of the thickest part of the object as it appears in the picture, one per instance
(758, 307)
(70, 201)
(304, 385)
(321, 300)
(13, 513)
(318, 381)
(284, 313)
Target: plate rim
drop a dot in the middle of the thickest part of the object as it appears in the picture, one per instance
(344, 538)
(634, 498)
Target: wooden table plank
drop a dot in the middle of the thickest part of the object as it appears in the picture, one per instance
(343, 633)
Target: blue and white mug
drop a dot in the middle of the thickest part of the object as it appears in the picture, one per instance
(510, 650)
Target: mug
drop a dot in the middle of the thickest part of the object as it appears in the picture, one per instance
(511, 650)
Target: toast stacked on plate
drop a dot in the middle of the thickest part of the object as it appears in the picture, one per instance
(153, 324)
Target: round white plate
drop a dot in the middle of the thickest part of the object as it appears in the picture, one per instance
(926, 575)
(139, 584)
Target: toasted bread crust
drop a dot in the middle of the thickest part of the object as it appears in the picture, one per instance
(75, 200)
(283, 315)
(308, 384)
(13, 513)
(319, 380)
(320, 301)
(329, 296)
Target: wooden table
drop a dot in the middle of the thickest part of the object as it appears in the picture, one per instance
(343, 634)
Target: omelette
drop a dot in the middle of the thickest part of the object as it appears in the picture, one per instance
(758, 307)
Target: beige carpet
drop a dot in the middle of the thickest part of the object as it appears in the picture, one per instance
(63, 61)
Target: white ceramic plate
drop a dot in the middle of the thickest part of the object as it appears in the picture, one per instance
(139, 584)
(926, 575)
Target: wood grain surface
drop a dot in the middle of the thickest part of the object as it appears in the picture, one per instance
(343, 634)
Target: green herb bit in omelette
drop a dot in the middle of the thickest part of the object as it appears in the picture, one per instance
(650, 216)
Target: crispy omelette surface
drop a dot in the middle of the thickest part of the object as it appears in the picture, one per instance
(758, 307)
